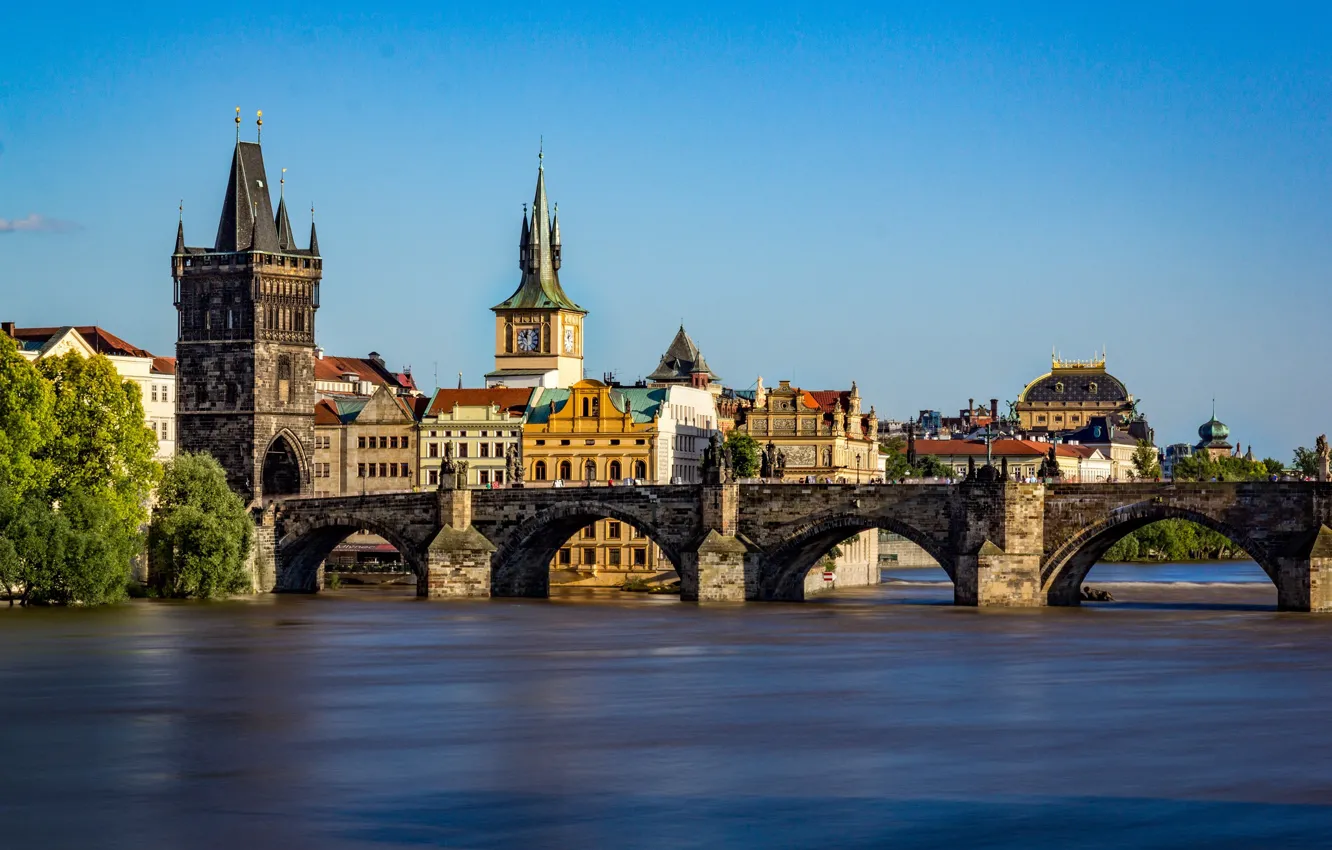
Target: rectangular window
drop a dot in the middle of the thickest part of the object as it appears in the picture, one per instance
(485, 433)
(499, 476)
(485, 450)
(393, 442)
(641, 442)
(590, 532)
(566, 557)
(434, 450)
(613, 557)
(154, 392)
(613, 530)
(406, 470)
(589, 555)
(373, 468)
(164, 394)
(327, 471)
(406, 442)
(432, 433)
(499, 450)
(434, 477)
(564, 442)
(462, 450)
(615, 442)
(540, 442)
(637, 533)
(360, 442)
(383, 470)
(383, 442)
(485, 476)
(640, 557)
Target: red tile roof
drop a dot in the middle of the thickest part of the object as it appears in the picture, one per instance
(513, 399)
(1000, 448)
(164, 365)
(326, 414)
(102, 341)
(330, 368)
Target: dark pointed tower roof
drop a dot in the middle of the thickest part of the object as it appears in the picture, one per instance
(681, 360)
(180, 236)
(540, 286)
(285, 240)
(314, 239)
(247, 221)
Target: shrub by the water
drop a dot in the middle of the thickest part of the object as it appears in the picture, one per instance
(200, 534)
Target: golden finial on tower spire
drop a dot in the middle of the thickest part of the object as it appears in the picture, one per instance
(238, 124)
(259, 122)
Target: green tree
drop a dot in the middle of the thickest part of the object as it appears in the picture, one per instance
(26, 423)
(1202, 467)
(1274, 466)
(927, 466)
(101, 444)
(1306, 462)
(1146, 466)
(74, 551)
(744, 451)
(200, 534)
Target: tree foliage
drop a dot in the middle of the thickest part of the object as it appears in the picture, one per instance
(744, 451)
(26, 422)
(1306, 462)
(1173, 540)
(76, 471)
(201, 534)
(1146, 465)
(1202, 467)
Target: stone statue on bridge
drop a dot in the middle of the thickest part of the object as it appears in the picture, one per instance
(513, 466)
(716, 464)
(768, 462)
(1050, 466)
(452, 474)
(1320, 448)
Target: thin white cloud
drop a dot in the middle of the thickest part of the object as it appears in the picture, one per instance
(36, 222)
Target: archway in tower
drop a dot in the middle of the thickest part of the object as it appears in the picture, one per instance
(282, 469)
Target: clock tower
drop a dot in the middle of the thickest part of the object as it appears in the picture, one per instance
(538, 329)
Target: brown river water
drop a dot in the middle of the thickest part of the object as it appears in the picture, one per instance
(1182, 715)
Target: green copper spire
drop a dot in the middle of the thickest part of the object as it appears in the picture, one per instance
(538, 257)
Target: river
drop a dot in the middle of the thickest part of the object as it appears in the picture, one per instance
(868, 718)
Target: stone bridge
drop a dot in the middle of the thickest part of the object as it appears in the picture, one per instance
(1002, 544)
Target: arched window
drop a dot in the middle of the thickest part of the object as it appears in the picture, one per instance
(284, 380)
(539, 471)
(614, 472)
(590, 470)
(587, 407)
(640, 469)
(566, 470)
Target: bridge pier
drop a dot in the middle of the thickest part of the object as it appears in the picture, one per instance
(722, 568)
(1304, 582)
(991, 575)
(458, 558)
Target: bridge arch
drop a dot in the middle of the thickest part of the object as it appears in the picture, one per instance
(788, 563)
(1067, 566)
(304, 547)
(521, 564)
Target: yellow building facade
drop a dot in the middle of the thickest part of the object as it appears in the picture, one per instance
(595, 435)
(1070, 394)
(821, 433)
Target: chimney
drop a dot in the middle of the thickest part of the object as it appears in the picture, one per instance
(971, 408)
(376, 359)
(319, 352)
(7, 328)
(994, 409)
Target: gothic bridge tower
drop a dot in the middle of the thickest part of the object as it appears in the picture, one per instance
(245, 339)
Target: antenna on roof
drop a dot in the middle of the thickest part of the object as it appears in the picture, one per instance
(238, 125)
(259, 116)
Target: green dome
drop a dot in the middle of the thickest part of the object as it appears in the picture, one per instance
(1213, 431)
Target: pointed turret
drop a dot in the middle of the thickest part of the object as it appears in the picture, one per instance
(555, 239)
(285, 240)
(522, 242)
(540, 287)
(180, 236)
(683, 363)
(314, 240)
(247, 220)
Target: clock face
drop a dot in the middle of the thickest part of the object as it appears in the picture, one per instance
(528, 339)
(568, 340)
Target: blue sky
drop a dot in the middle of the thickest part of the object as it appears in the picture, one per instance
(923, 200)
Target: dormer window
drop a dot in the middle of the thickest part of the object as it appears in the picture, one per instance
(1092, 388)
(1059, 386)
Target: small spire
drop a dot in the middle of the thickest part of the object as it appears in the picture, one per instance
(314, 240)
(238, 125)
(282, 185)
(259, 122)
(180, 229)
